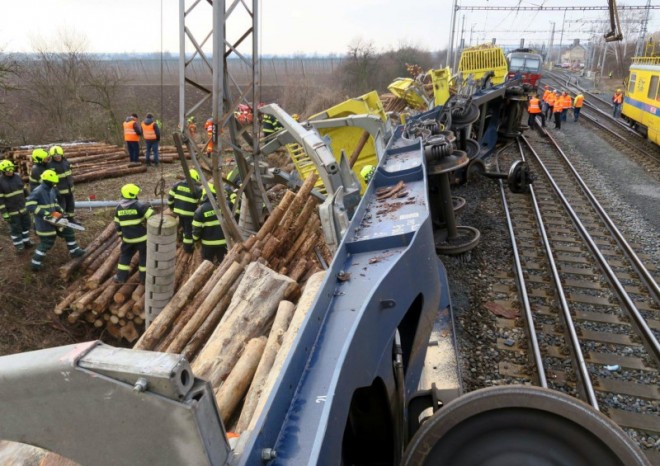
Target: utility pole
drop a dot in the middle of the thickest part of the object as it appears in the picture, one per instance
(471, 31)
(552, 41)
(561, 38)
(462, 34)
(450, 49)
(639, 50)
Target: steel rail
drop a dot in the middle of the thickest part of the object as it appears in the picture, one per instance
(581, 370)
(650, 341)
(522, 287)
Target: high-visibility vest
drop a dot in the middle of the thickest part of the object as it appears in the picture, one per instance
(148, 131)
(617, 98)
(546, 93)
(551, 99)
(558, 106)
(129, 132)
(579, 99)
(533, 106)
(567, 101)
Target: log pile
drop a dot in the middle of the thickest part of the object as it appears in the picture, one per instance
(92, 161)
(230, 322)
(94, 297)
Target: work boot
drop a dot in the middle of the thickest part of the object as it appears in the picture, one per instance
(28, 244)
(78, 252)
(116, 279)
(20, 249)
(35, 268)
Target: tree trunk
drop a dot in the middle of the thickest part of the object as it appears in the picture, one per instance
(280, 325)
(250, 312)
(162, 323)
(229, 395)
(104, 270)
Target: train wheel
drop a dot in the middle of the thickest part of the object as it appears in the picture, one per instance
(520, 425)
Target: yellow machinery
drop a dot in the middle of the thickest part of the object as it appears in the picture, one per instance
(641, 104)
(346, 138)
(477, 61)
(433, 91)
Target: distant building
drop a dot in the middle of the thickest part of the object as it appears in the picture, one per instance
(575, 55)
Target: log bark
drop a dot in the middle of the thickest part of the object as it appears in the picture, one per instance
(276, 215)
(129, 332)
(93, 261)
(230, 394)
(110, 173)
(138, 293)
(67, 269)
(304, 305)
(202, 312)
(104, 270)
(103, 300)
(251, 310)
(280, 325)
(124, 293)
(66, 302)
(161, 324)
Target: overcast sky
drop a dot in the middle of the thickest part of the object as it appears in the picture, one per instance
(291, 27)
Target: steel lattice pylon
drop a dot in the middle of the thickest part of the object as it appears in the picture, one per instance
(198, 68)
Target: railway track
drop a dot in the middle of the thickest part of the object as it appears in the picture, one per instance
(589, 309)
(597, 112)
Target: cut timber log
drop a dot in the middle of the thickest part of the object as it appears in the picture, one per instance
(201, 313)
(96, 258)
(67, 269)
(304, 305)
(231, 393)
(162, 323)
(124, 293)
(110, 173)
(280, 325)
(104, 270)
(252, 307)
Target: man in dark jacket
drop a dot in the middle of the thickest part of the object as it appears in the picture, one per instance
(44, 205)
(65, 188)
(183, 200)
(40, 160)
(130, 221)
(12, 206)
(207, 230)
(151, 135)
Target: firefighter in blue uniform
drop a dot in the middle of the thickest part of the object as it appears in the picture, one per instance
(12, 206)
(270, 125)
(44, 204)
(207, 230)
(40, 159)
(183, 200)
(130, 221)
(62, 167)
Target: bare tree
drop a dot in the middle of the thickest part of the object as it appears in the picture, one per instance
(9, 69)
(360, 68)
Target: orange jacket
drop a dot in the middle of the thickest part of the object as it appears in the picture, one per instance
(617, 98)
(551, 99)
(533, 107)
(546, 93)
(567, 101)
(129, 132)
(559, 104)
(149, 132)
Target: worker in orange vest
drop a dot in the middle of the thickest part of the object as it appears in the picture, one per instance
(132, 133)
(534, 110)
(551, 103)
(557, 109)
(566, 103)
(577, 105)
(151, 134)
(617, 100)
(544, 99)
(208, 126)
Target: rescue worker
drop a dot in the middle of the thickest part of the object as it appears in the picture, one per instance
(208, 126)
(617, 100)
(40, 159)
(552, 96)
(271, 125)
(367, 173)
(546, 93)
(151, 135)
(534, 110)
(43, 204)
(183, 200)
(557, 109)
(12, 206)
(192, 127)
(207, 230)
(132, 133)
(566, 103)
(130, 221)
(65, 188)
(577, 106)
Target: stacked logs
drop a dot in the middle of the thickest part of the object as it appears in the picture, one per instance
(92, 161)
(224, 319)
(94, 297)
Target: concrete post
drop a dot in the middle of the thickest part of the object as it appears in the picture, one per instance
(161, 261)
